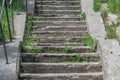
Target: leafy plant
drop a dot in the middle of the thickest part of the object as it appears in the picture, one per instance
(82, 16)
(104, 15)
(40, 18)
(111, 32)
(114, 6)
(89, 41)
(67, 49)
(97, 5)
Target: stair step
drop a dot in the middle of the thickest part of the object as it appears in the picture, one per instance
(59, 23)
(57, 7)
(60, 67)
(57, 39)
(60, 28)
(56, 15)
(58, 2)
(64, 49)
(58, 44)
(59, 57)
(65, 18)
(58, 33)
(75, 12)
(62, 76)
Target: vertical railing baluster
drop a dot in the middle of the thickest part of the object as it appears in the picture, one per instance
(3, 41)
(6, 9)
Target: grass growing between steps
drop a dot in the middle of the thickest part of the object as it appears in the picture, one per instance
(81, 16)
(89, 41)
(40, 18)
(78, 58)
(67, 49)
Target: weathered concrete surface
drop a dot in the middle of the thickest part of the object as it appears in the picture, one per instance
(94, 20)
(110, 50)
(8, 71)
(31, 6)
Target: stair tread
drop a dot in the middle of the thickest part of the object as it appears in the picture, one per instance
(60, 74)
(63, 63)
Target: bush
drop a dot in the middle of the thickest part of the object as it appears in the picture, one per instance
(114, 6)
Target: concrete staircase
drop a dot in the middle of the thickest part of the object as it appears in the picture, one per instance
(58, 52)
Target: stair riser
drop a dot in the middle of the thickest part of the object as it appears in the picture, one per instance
(60, 28)
(59, 44)
(58, 3)
(58, 12)
(75, 77)
(59, 34)
(48, 7)
(58, 19)
(59, 49)
(45, 58)
(60, 68)
(55, 15)
(58, 23)
(57, 40)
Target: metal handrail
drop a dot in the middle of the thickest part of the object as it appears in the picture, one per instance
(4, 6)
(1, 30)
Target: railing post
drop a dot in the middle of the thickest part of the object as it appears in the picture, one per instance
(18, 7)
(3, 41)
(10, 35)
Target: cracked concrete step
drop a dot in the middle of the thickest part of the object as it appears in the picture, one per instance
(59, 57)
(62, 76)
(75, 12)
(65, 18)
(58, 33)
(58, 2)
(65, 49)
(57, 7)
(60, 67)
(59, 23)
(59, 44)
(57, 39)
(60, 28)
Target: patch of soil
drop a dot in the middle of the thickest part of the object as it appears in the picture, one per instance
(104, 6)
(112, 18)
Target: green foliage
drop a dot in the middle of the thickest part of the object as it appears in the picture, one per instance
(89, 41)
(104, 15)
(82, 16)
(28, 27)
(114, 6)
(67, 49)
(40, 18)
(111, 32)
(4, 19)
(46, 49)
(97, 5)
(78, 58)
